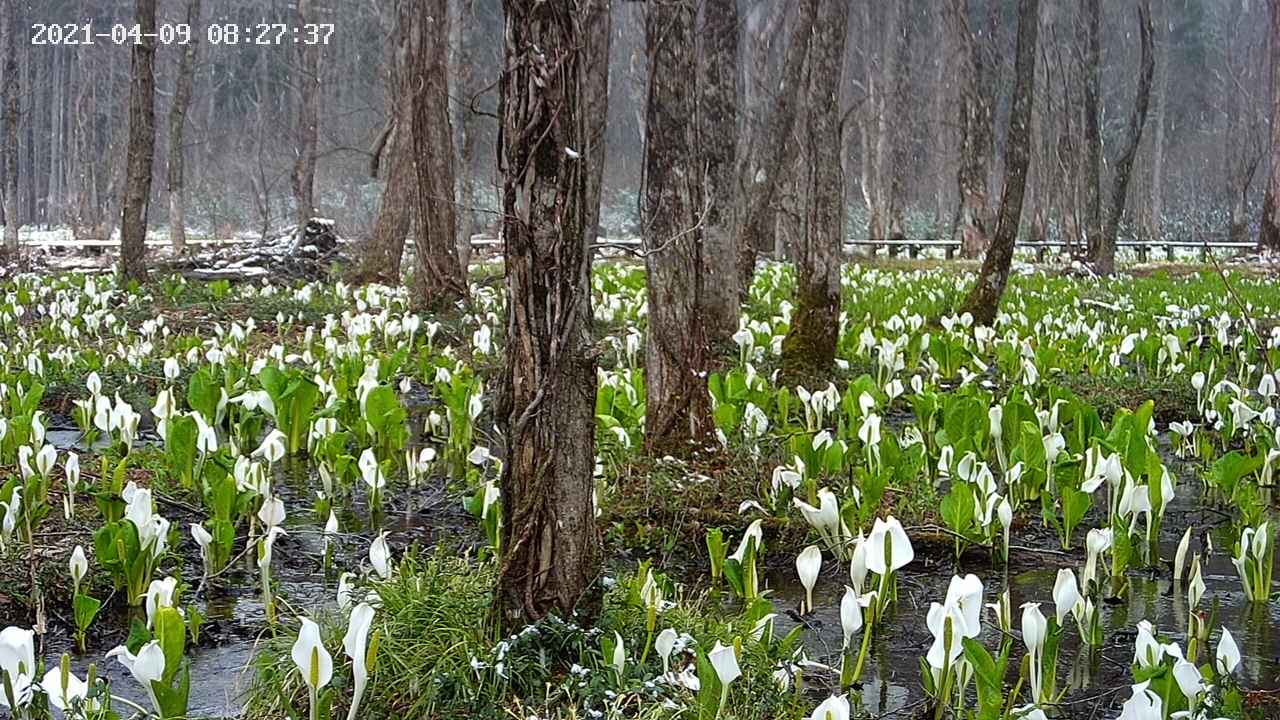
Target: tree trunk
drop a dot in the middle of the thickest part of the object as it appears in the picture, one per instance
(9, 90)
(142, 139)
(177, 127)
(810, 344)
(676, 405)
(308, 131)
(395, 212)
(984, 299)
(439, 278)
(718, 115)
(758, 223)
(550, 544)
(597, 30)
(1156, 211)
(1105, 261)
(1092, 128)
(385, 249)
(975, 132)
(1269, 224)
(465, 126)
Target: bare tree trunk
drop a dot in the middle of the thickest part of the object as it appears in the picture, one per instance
(395, 212)
(550, 543)
(975, 132)
(308, 131)
(1155, 228)
(676, 405)
(464, 126)
(1269, 224)
(142, 140)
(177, 128)
(983, 301)
(439, 279)
(1105, 260)
(9, 90)
(758, 224)
(1092, 128)
(385, 249)
(597, 31)
(810, 344)
(718, 135)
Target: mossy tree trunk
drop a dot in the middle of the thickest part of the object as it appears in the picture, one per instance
(142, 141)
(983, 301)
(551, 546)
(810, 344)
(676, 403)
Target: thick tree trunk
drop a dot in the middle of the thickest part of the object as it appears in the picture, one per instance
(9, 90)
(983, 301)
(465, 126)
(385, 249)
(676, 404)
(308, 122)
(1105, 261)
(1269, 224)
(975, 132)
(142, 139)
(550, 543)
(810, 344)
(1092, 127)
(439, 278)
(718, 113)
(177, 128)
(758, 223)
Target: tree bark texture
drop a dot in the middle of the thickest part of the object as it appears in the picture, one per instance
(972, 175)
(385, 249)
(810, 344)
(1269, 226)
(10, 87)
(551, 546)
(142, 139)
(1092, 127)
(758, 222)
(718, 135)
(676, 400)
(177, 132)
(308, 128)
(983, 301)
(597, 30)
(1105, 260)
(439, 277)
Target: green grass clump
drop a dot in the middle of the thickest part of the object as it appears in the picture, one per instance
(439, 655)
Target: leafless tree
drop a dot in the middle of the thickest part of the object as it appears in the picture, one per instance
(718, 143)
(9, 91)
(1269, 226)
(677, 356)
(142, 140)
(439, 279)
(182, 88)
(983, 301)
(308, 123)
